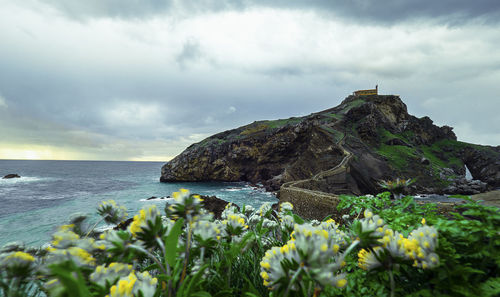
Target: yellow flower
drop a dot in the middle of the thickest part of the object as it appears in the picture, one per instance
(341, 283)
(21, 256)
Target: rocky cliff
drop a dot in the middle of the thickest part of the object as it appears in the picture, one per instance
(373, 137)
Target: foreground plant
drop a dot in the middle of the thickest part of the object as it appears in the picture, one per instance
(397, 187)
(386, 249)
(260, 252)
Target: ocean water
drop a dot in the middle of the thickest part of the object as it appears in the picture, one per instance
(49, 192)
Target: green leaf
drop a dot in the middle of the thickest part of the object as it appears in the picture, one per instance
(223, 293)
(201, 294)
(298, 219)
(75, 286)
(327, 218)
(171, 242)
(195, 280)
(491, 287)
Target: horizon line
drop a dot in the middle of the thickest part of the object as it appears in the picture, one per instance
(82, 160)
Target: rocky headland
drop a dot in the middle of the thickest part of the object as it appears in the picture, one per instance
(347, 149)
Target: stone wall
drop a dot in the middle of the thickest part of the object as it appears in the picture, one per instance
(311, 204)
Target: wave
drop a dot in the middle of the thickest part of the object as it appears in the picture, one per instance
(167, 199)
(23, 179)
(232, 189)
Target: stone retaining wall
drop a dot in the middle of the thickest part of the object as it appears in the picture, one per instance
(310, 204)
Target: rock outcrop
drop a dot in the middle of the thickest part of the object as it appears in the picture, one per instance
(215, 205)
(343, 150)
(11, 175)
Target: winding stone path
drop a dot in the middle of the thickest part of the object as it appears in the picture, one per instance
(312, 204)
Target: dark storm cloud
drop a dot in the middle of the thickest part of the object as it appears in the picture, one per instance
(132, 79)
(385, 12)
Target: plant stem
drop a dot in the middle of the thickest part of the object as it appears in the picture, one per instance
(186, 261)
(95, 225)
(294, 277)
(391, 279)
(162, 246)
(352, 246)
(140, 249)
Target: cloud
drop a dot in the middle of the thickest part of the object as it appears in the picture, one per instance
(386, 12)
(126, 83)
(3, 102)
(190, 53)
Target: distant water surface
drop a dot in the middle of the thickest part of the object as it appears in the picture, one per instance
(48, 192)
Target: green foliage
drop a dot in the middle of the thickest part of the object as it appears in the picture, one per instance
(255, 129)
(353, 104)
(398, 156)
(188, 253)
(283, 122)
(468, 245)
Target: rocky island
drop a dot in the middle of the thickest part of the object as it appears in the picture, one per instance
(347, 149)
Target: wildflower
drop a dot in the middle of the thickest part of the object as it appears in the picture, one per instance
(111, 212)
(286, 207)
(110, 274)
(17, 259)
(271, 268)
(265, 210)
(235, 224)
(116, 242)
(75, 254)
(335, 234)
(397, 187)
(229, 209)
(64, 237)
(391, 246)
(249, 210)
(369, 229)
(148, 213)
(207, 233)
(133, 284)
(310, 252)
(423, 243)
(147, 226)
(367, 260)
(287, 223)
(185, 205)
(253, 220)
(270, 224)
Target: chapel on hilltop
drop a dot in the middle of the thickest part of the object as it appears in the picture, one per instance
(366, 92)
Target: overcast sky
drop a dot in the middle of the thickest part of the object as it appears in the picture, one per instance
(143, 79)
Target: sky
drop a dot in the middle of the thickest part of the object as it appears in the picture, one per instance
(141, 80)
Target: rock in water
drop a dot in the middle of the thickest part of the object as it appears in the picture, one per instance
(347, 149)
(12, 175)
(215, 205)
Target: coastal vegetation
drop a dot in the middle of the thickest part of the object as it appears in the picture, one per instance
(380, 247)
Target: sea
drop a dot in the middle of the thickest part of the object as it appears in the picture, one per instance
(49, 193)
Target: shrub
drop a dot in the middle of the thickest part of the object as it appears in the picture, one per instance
(387, 249)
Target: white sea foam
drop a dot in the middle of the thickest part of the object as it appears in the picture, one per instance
(159, 199)
(232, 189)
(23, 179)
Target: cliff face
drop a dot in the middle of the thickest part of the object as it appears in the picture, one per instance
(381, 139)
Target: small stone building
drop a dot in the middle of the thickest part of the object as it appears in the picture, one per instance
(366, 92)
